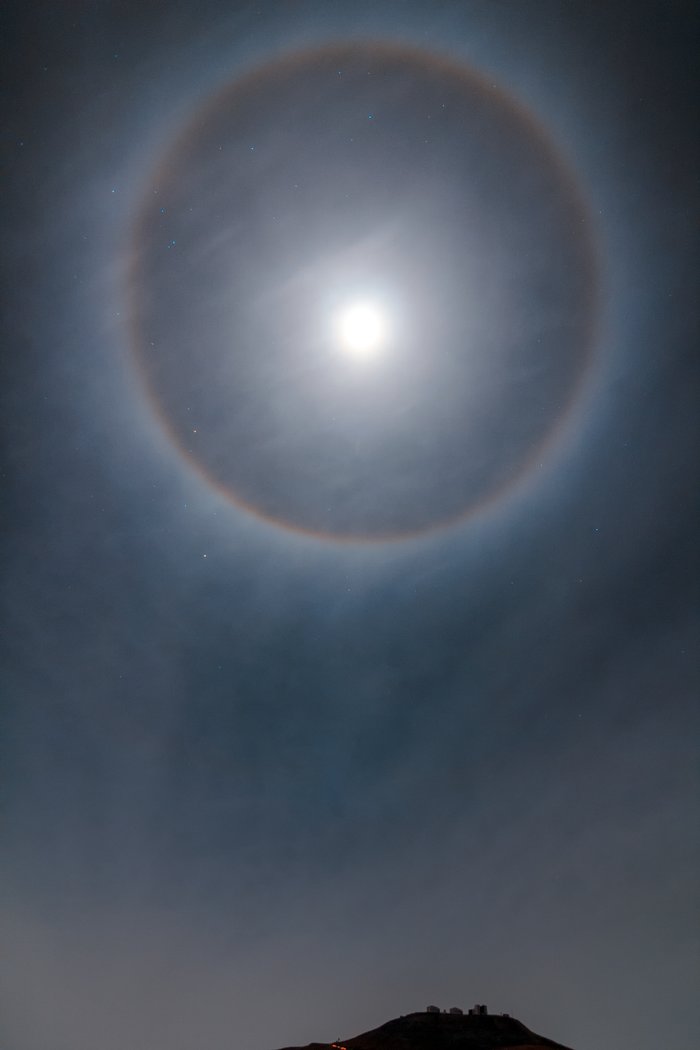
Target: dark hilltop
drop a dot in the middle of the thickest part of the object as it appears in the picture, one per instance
(441, 1030)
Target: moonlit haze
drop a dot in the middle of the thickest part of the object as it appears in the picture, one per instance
(349, 644)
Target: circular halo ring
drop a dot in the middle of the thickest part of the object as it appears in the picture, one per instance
(246, 84)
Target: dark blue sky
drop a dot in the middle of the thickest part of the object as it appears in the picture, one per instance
(260, 787)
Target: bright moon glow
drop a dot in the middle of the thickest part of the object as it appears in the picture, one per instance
(362, 329)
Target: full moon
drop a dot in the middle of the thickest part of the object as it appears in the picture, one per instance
(361, 328)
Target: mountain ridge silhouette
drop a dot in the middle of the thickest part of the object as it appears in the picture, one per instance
(444, 1031)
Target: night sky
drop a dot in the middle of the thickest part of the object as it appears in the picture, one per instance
(337, 685)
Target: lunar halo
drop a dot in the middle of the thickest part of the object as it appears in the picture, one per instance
(363, 166)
